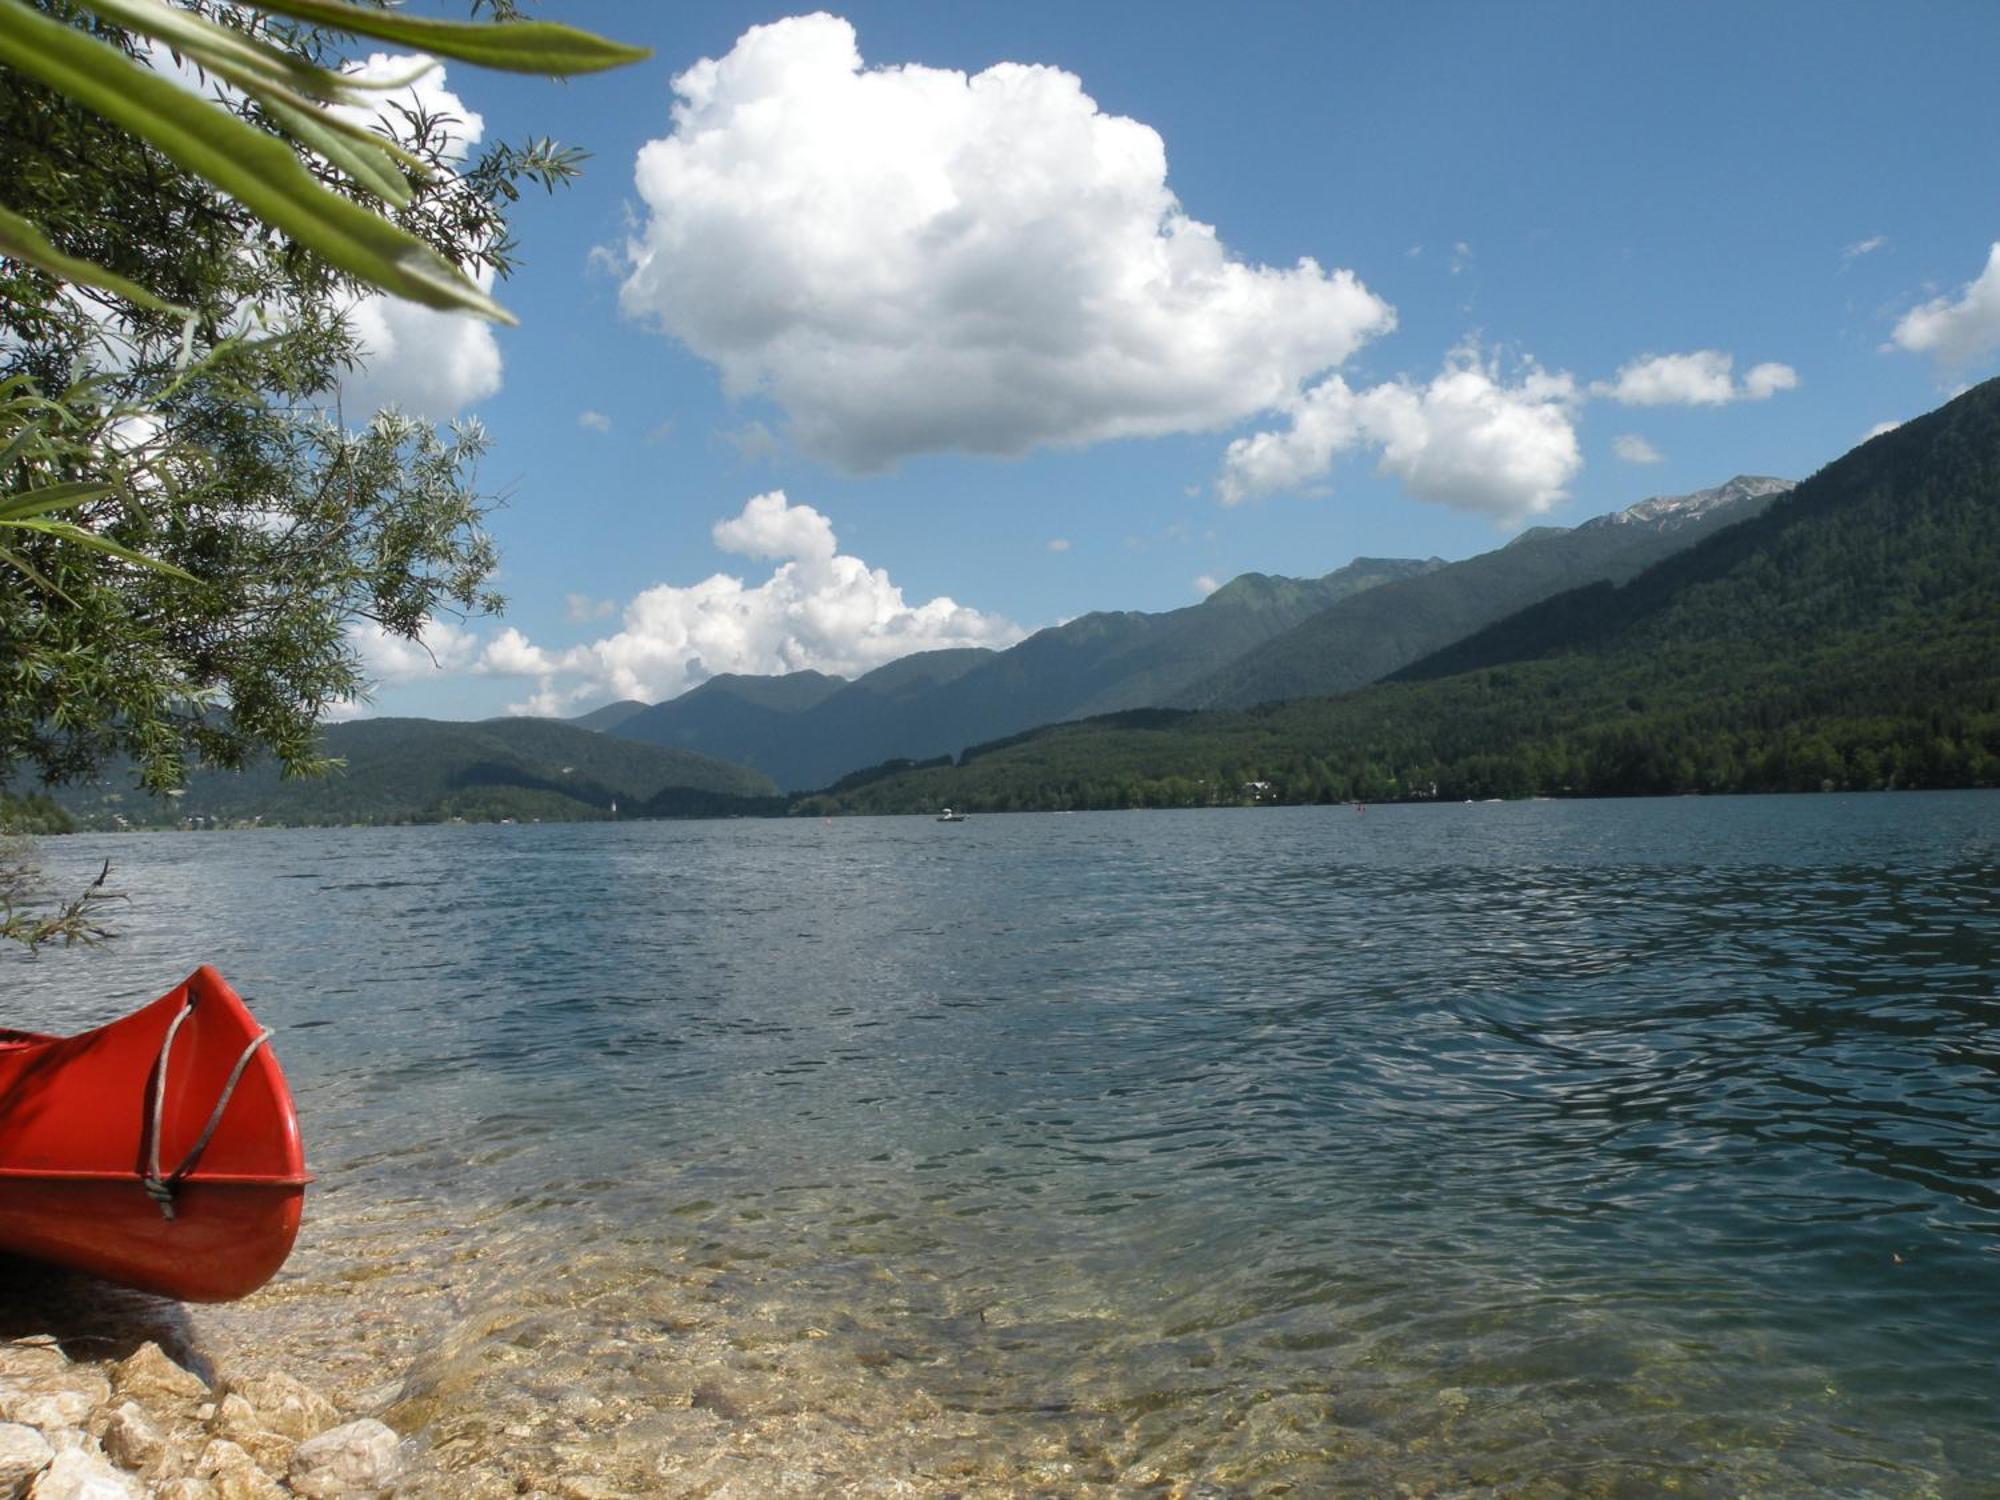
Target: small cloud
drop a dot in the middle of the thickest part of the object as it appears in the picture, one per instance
(1058, 544)
(1468, 439)
(582, 609)
(1414, 251)
(1956, 331)
(660, 431)
(1860, 248)
(754, 443)
(593, 421)
(1636, 450)
(1702, 378)
(1766, 380)
(1206, 585)
(1878, 429)
(1461, 257)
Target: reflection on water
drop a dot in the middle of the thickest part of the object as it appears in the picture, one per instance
(1603, 1149)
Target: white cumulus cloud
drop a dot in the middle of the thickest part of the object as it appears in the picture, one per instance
(391, 660)
(819, 609)
(911, 260)
(1636, 450)
(1761, 382)
(1956, 331)
(593, 421)
(1703, 378)
(1467, 439)
(430, 363)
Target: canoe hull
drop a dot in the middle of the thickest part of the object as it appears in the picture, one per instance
(77, 1144)
(225, 1240)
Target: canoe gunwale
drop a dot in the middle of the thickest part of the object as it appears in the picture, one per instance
(138, 1180)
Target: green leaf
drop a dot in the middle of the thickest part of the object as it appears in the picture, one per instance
(510, 46)
(27, 504)
(14, 560)
(21, 240)
(68, 532)
(231, 54)
(257, 169)
(28, 432)
(370, 169)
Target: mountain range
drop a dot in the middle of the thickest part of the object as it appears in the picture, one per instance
(1757, 635)
(1845, 636)
(1257, 638)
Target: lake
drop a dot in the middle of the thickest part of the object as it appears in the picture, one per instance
(1550, 1148)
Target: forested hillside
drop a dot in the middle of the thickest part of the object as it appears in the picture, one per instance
(806, 733)
(1365, 638)
(425, 770)
(1849, 637)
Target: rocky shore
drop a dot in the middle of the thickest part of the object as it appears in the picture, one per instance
(145, 1425)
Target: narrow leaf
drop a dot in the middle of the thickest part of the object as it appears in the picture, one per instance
(21, 240)
(27, 504)
(68, 532)
(29, 431)
(230, 54)
(370, 169)
(14, 560)
(257, 169)
(511, 46)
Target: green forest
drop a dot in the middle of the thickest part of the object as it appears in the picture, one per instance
(1848, 638)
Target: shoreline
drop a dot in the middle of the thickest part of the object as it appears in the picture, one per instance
(107, 1393)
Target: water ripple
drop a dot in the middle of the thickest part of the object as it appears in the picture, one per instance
(1568, 1148)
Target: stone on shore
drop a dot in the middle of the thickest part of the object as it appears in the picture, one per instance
(62, 1397)
(24, 1453)
(131, 1438)
(150, 1378)
(79, 1474)
(147, 1427)
(359, 1459)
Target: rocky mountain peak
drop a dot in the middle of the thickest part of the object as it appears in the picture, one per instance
(1666, 512)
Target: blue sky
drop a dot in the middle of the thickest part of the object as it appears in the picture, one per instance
(1005, 372)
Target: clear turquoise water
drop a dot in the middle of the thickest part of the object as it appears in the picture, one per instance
(1538, 1148)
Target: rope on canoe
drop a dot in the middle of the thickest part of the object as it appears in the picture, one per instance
(161, 1188)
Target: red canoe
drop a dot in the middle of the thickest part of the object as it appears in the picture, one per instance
(161, 1151)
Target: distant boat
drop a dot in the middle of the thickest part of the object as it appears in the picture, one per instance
(160, 1151)
(948, 816)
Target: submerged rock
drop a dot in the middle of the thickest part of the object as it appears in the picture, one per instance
(285, 1406)
(360, 1459)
